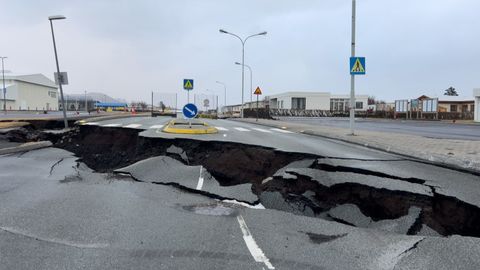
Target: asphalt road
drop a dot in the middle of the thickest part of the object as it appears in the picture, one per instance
(58, 214)
(430, 129)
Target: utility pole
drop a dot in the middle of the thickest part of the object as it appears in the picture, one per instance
(4, 89)
(86, 102)
(352, 80)
(51, 18)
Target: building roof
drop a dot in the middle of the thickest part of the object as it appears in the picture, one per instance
(38, 79)
(299, 93)
(455, 99)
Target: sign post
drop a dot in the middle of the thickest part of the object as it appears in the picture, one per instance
(257, 92)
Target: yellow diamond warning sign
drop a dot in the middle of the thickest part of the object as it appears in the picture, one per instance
(258, 91)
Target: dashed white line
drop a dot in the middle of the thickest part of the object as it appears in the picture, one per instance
(222, 128)
(200, 180)
(91, 123)
(262, 130)
(281, 130)
(241, 129)
(156, 126)
(252, 246)
(111, 125)
(133, 126)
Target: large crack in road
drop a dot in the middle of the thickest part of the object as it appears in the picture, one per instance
(295, 182)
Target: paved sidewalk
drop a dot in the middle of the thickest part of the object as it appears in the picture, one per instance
(459, 153)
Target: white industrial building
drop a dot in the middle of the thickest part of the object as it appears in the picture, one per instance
(29, 92)
(476, 108)
(316, 101)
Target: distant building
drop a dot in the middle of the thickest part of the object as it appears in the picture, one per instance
(316, 101)
(76, 102)
(476, 108)
(29, 92)
(456, 104)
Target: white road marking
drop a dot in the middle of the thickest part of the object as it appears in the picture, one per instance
(252, 246)
(262, 130)
(133, 126)
(241, 129)
(111, 125)
(91, 123)
(200, 180)
(258, 206)
(222, 128)
(281, 130)
(156, 126)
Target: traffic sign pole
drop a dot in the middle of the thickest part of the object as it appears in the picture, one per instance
(257, 108)
(352, 80)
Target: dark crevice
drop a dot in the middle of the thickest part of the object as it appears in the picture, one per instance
(331, 168)
(54, 165)
(414, 246)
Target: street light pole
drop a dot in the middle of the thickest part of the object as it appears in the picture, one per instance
(225, 94)
(51, 18)
(251, 80)
(4, 90)
(243, 60)
(352, 79)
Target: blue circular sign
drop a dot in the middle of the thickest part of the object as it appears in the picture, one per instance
(190, 110)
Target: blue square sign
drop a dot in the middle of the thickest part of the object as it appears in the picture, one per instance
(357, 66)
(188, 84)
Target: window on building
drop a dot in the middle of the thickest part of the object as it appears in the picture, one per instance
(464, 108)
(453, 108)
(339, 105)
(52, 94)
(281, 104)
(359, 105)
(298, 103)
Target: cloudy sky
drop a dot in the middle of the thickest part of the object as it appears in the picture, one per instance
(129, 48)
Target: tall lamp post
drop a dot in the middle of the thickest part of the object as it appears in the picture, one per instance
(251, 80)
(51, 19)
(4, 90)
(243, 59)
(225, 93)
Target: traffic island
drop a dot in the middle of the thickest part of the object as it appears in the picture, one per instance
(189, 127)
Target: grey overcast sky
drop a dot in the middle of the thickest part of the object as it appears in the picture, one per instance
(129, 48)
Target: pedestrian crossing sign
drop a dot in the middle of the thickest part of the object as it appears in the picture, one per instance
(188, 84)
(258, 91)
(357, 65)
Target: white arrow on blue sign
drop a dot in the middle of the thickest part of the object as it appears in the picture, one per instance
(190, 110)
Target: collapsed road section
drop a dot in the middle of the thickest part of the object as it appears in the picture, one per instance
(304, 184)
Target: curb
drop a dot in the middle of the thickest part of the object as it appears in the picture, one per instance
(459, 165)
(206, 129)
(25, 147)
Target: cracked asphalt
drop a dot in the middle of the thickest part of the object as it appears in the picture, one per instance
(56, 213)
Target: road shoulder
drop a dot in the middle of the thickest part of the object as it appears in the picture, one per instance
(461, 154)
